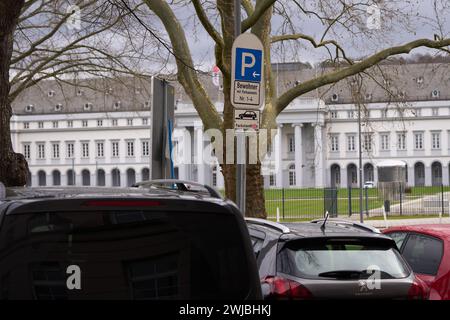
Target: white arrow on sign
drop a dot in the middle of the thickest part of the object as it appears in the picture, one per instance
(255, 74)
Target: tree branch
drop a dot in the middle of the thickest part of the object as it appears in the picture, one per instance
(260, 9)
(332, 77)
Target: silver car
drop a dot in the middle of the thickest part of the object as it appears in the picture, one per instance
(330, 260)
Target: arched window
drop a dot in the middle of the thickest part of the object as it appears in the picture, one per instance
(42, 178)
(436, 171)
(292, 181)
(71, 177)
(368, 172)
(101, 181)
(335, 175)
(352, 175)
(419, 174)
(29, 179)
(56, 178)
(131, 177)
(86, 177)
(145, 174)
(115, 174)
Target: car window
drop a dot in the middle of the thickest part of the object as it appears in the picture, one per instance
(315, 259)
(398, 237)
(257, 245)
(423, 253)
(122, 255)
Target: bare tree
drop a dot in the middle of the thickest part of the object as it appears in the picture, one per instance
(337, 17)
(52, 39)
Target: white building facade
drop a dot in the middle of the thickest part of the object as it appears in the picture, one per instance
(316, 144)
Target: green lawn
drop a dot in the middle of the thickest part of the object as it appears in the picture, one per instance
(308, 203)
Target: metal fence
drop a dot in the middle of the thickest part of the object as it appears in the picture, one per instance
(297, 204)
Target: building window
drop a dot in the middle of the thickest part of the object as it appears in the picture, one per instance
(333, 114)
(85, 150)
(99, 123)
(130, 122)
(401, 141)
(334, 141)
(115, 149)
(368, 142)
(272, 180)
(100, 150)
(26, 125)
(55, 150)
(70, 150)
(84, 123)
(384, 142)
(291, 143)
(214, 177)
(384, 113)
(417, 112)
(351, 143)
(436, 140)
(70, 124)
(27, 151)
(144, 121)
(41, 151)
(130, 149)
(55, 124)
(115, 123)
(292, 181)
(435, 112)
(41, 125)
(351, 114)
(145, 148)
(418, 140)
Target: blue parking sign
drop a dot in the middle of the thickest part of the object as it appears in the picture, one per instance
(248, 65)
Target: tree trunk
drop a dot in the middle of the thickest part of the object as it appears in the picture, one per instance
(13, 166)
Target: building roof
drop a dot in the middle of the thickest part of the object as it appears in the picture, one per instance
(385, 83)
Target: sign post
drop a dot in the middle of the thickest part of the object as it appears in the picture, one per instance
(247, 96)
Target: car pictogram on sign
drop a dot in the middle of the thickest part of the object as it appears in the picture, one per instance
(247, 115)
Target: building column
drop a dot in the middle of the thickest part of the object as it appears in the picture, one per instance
(278, 156)
(318, 161)
(298, 154)
(344, 175)
(411, 176)
(428, 176)
(200, 164)
(185, 161)
(445, 175)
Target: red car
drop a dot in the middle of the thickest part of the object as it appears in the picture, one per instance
(427, 250)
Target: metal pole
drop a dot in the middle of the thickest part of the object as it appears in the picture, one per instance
(241, 145)
(361, 216)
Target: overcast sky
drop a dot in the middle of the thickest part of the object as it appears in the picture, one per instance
(421, 23)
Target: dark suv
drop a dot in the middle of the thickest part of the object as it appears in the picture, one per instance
(135, 243)
(331, 259)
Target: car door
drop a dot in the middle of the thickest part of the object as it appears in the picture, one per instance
(424, 255)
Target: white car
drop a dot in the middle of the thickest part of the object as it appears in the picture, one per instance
(369, 184)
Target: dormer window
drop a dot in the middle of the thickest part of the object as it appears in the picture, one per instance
(51, 94)
(88, 107)
(147, 104)
(435, 94)
(58, 107)
(335, 97)
(420, 80)
(117, 105)
(29, 108)
(368, 97)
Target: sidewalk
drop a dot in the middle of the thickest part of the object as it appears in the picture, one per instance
(405, 222)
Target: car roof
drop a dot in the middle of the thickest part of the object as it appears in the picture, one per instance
(308, 229)
(436, 230)
(29, 194)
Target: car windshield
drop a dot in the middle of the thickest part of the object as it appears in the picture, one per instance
(122, 255)
(340, 260)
